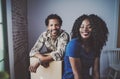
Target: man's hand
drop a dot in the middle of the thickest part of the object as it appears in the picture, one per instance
(33, 67)
(45, 65)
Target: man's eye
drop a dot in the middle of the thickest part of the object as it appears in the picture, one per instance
(51, 25)
(57, 25)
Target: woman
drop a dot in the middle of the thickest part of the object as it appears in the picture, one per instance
(89, 35)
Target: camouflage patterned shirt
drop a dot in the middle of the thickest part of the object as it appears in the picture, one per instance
(55, 47)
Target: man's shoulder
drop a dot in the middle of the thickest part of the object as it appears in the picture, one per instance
(64, 34)
(44, 34)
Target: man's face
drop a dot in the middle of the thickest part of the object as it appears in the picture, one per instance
(54, 27)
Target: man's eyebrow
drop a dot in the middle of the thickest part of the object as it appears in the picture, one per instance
(88, 24)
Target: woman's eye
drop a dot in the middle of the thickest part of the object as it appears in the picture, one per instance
(82, 27)
(90, 26)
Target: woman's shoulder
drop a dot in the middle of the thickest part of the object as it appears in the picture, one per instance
(74, 41)
(73, 48)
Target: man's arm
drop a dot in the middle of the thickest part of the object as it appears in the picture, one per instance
(34, 51)
(44, 58)
(38, 45)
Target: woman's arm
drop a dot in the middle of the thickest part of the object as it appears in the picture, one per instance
(76, 67)
(96, 68)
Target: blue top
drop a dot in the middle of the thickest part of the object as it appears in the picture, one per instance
(75, 50)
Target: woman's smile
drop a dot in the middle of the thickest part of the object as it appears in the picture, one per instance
(85, 29)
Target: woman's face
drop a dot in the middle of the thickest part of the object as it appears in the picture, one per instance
(85, 29)
(54, 27)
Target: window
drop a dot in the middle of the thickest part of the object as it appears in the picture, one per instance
(118, 39)
(1, 40)
(4, 59)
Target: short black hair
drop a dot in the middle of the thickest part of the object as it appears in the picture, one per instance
(53, 16)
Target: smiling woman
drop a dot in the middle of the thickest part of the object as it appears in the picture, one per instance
(84, 50)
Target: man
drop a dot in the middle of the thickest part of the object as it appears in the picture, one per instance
(54, 39)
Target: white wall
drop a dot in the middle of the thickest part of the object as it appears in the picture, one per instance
(69, 10)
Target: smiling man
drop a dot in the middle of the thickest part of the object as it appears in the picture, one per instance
(54, 39)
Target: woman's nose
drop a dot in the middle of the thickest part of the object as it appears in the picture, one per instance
(85, 28)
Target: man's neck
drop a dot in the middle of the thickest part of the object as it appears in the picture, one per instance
(54, 37)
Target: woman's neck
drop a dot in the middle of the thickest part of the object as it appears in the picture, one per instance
(86, 44)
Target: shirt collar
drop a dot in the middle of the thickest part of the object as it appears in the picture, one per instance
(48, 33)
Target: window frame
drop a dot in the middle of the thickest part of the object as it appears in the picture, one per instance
(118, 34)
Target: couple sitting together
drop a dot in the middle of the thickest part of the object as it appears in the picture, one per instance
(88, 36)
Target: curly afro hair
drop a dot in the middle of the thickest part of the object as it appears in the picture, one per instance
(99, 34)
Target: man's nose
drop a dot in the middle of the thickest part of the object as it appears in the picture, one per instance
(54, 27)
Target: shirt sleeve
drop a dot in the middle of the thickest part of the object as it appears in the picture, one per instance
(62, 42)
(38, 45)
(73, 49)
